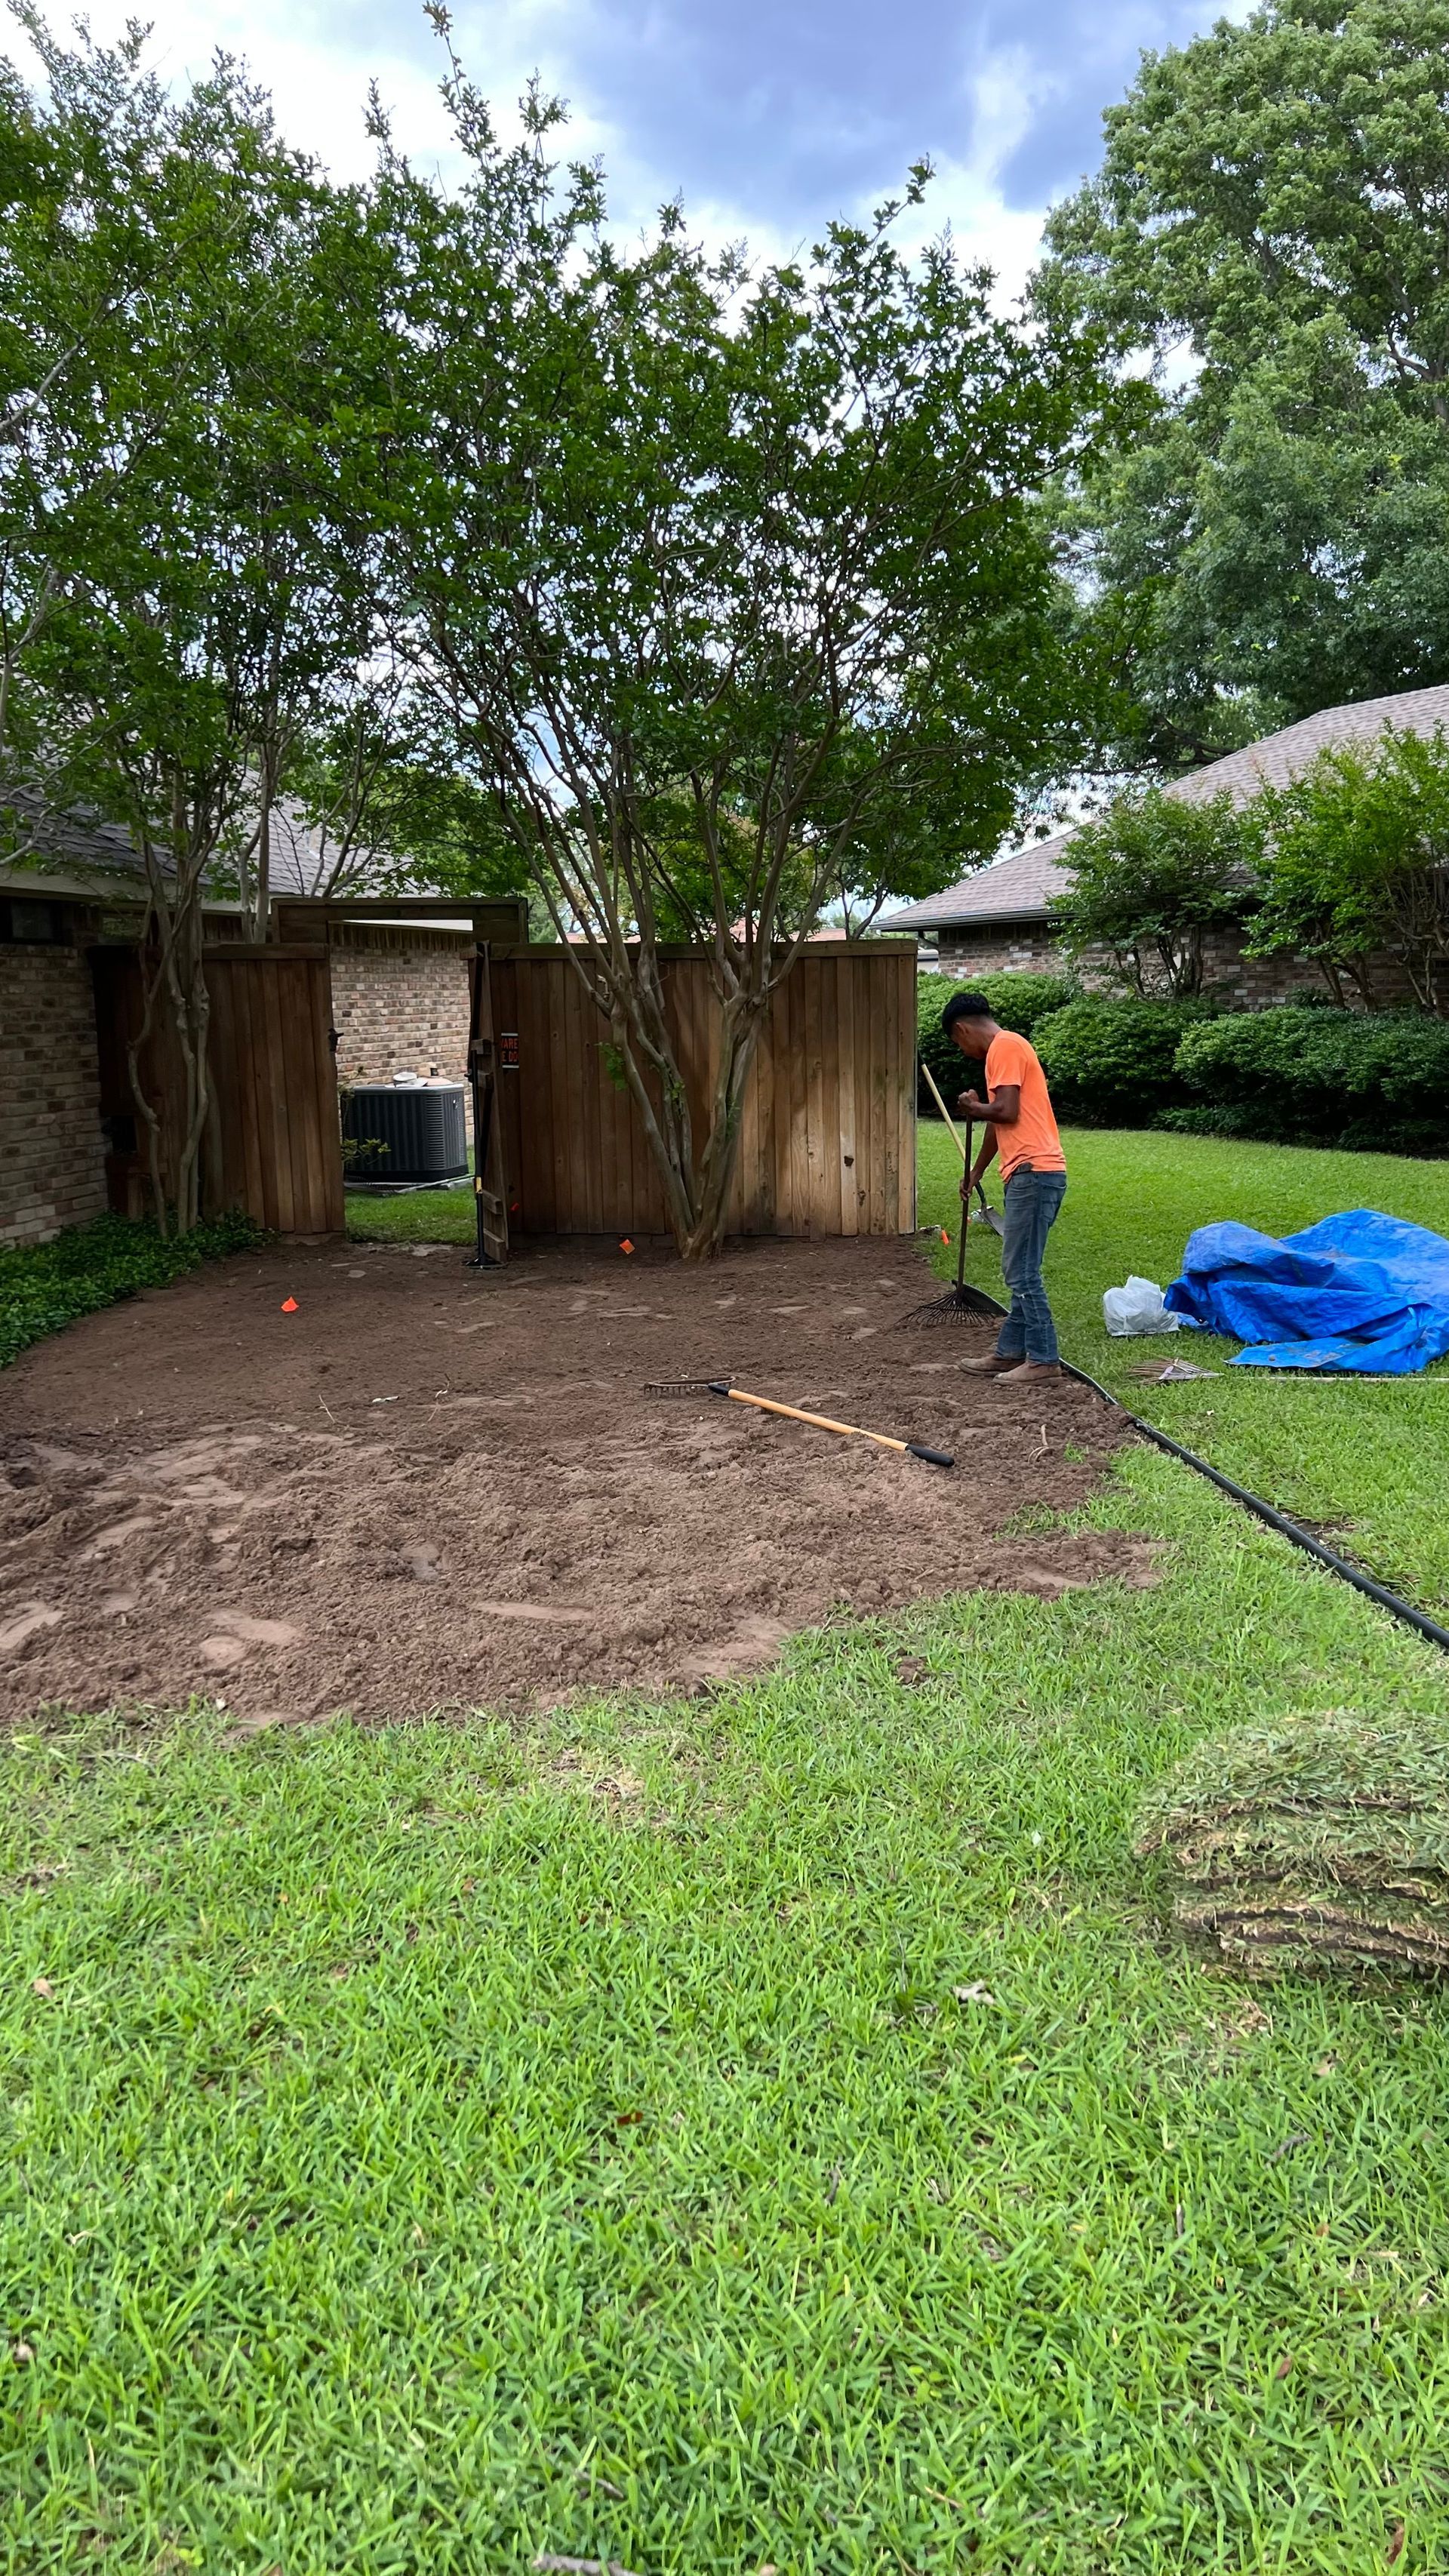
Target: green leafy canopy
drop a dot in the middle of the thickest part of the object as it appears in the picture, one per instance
(1270, 218)
(726, 579)
(1151, 879)
(1355, 867)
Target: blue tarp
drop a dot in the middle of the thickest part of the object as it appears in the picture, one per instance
(1358, 1291)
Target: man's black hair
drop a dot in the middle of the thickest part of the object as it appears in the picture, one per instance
(965, 1006)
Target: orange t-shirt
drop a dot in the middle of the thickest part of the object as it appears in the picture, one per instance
(1034, 1137)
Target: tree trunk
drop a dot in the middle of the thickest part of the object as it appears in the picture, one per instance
(1333, 980)
(174, 986)
(264, 848)
(191, 1017)
(196, 1021)
(639, 1028)
(742, 1019)
(150, 986)
(696, 1189)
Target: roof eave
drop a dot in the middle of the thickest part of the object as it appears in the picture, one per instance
(1023, 920)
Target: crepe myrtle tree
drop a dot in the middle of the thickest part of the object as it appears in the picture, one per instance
(672, 531)
(1355, 868)
(385, 808)
(182, 582)
(79, 160)
(1152, 879)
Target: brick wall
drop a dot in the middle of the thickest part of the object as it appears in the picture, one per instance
(1243, 983)
(52, 1152)
(399, 1001)
(1016, 948)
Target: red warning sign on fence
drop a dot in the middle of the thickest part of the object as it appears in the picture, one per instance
(508, 1050)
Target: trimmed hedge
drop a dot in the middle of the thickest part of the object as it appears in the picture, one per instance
(45, 1286)
(1375, 1080)
(1304, 1073)
(1110, 1063)
(1020, 1002)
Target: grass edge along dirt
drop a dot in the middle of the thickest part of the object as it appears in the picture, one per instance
(704, 2135)
(45, 1286)
(1357, 1461)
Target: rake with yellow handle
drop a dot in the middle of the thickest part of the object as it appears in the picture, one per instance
(793, 1413)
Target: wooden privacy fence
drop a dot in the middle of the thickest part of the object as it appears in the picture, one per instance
(273, 1139)
(827, 1132)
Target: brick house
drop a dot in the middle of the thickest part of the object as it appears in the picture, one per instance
(399, 990)
(52, 1146)
(1000, 918)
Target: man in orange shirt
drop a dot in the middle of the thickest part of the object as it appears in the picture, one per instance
(1017, 1117)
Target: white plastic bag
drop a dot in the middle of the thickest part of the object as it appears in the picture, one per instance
(1137, 1308)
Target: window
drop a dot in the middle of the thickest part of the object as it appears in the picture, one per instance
(24, 919)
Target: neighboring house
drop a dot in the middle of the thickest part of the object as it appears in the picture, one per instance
(1001, 917)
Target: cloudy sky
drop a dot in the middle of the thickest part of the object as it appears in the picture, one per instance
(766, 115)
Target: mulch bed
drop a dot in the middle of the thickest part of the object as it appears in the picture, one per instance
(430, 1488)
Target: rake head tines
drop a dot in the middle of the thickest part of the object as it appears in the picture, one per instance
(958, 1306)
(690, 1386)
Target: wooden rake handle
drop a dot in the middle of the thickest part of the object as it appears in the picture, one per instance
(963, 1150)
(965, 1153)
(822, 1422)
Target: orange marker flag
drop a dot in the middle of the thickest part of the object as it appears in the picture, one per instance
(626, 1245)
(945, 1238)
(289, 1305)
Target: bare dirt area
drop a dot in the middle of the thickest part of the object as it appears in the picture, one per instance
(429, 1487)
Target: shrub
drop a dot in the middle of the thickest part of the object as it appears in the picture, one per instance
(1299, 1076)
(45, 1286)
(1151, 880)
(1020, 1002)
(1353, 862)
(1110, 1063)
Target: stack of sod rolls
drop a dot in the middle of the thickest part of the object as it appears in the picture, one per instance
(1322, 1841)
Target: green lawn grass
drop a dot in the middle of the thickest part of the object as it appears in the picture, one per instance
(421, 2159)
(1367, 1461)
(413, 1216)
(808, 2151)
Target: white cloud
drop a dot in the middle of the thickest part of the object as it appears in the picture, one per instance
(317, 63)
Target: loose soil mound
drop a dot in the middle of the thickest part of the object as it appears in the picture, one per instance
(430, 1487)
(1322, 1843)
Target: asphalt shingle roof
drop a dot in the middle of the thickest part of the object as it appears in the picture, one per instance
(302, 859)
(1021, 886)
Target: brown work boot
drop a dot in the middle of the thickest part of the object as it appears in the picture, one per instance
(1031, 1373)
(994, 1365)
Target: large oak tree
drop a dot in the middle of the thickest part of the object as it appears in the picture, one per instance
(1269, 232)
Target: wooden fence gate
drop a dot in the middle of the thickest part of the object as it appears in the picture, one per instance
(828, 1135)
(273, 1142)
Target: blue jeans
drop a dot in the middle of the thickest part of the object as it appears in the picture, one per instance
(1031, 1200)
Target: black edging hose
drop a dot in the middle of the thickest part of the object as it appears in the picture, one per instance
(1279, 1521)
